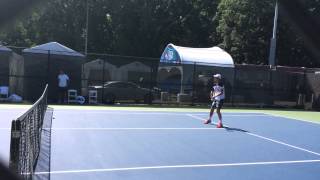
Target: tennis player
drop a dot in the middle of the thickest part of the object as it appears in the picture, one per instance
(217, 96)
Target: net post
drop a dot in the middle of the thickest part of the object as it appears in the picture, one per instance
(14, 146)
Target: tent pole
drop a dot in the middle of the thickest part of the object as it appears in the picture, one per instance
(48, 67)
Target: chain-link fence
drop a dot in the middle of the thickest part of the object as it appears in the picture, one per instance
(120, 78)
(124, 79)
(27, 72)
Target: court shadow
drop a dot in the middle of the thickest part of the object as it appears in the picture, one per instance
(44, 158)
(231, 129)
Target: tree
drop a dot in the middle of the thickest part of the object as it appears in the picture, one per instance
(245, 28)
(53, 20)
(145, 27)
(153, 24)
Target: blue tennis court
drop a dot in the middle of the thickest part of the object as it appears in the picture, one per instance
(94, 144)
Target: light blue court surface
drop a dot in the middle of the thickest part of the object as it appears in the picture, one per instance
(123, 145)
(103, 145)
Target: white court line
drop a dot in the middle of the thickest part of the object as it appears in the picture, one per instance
(296, 119)
(280, 142)
(229, 115)
(237, 115)
(269, 139)
(116, 129)
(123, 113)
(196, 117)
(159, 113)
(180, 166)
(5, 128)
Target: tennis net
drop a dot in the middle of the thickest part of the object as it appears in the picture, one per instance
(25, 138)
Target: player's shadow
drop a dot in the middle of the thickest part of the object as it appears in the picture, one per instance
(231, 129)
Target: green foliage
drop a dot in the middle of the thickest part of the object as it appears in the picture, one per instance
(128, 27)
(145, 27)
(245, 28)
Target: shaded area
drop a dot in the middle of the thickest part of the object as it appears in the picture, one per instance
(6, 174)
(44, 163)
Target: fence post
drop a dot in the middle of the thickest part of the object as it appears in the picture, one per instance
(193, 84)
(103, 79)
(14, 146)
(233, 85)
(149, 85)
(305, 92)
(271, 82)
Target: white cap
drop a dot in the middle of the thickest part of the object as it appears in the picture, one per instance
(217, 76)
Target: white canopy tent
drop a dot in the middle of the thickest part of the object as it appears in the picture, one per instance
(53, 48)
(5, 49)
(213, 56)
(192, 61)
(129, 71)
(10, 64)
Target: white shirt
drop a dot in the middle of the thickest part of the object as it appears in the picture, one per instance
(63, 80)
(217, 89)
